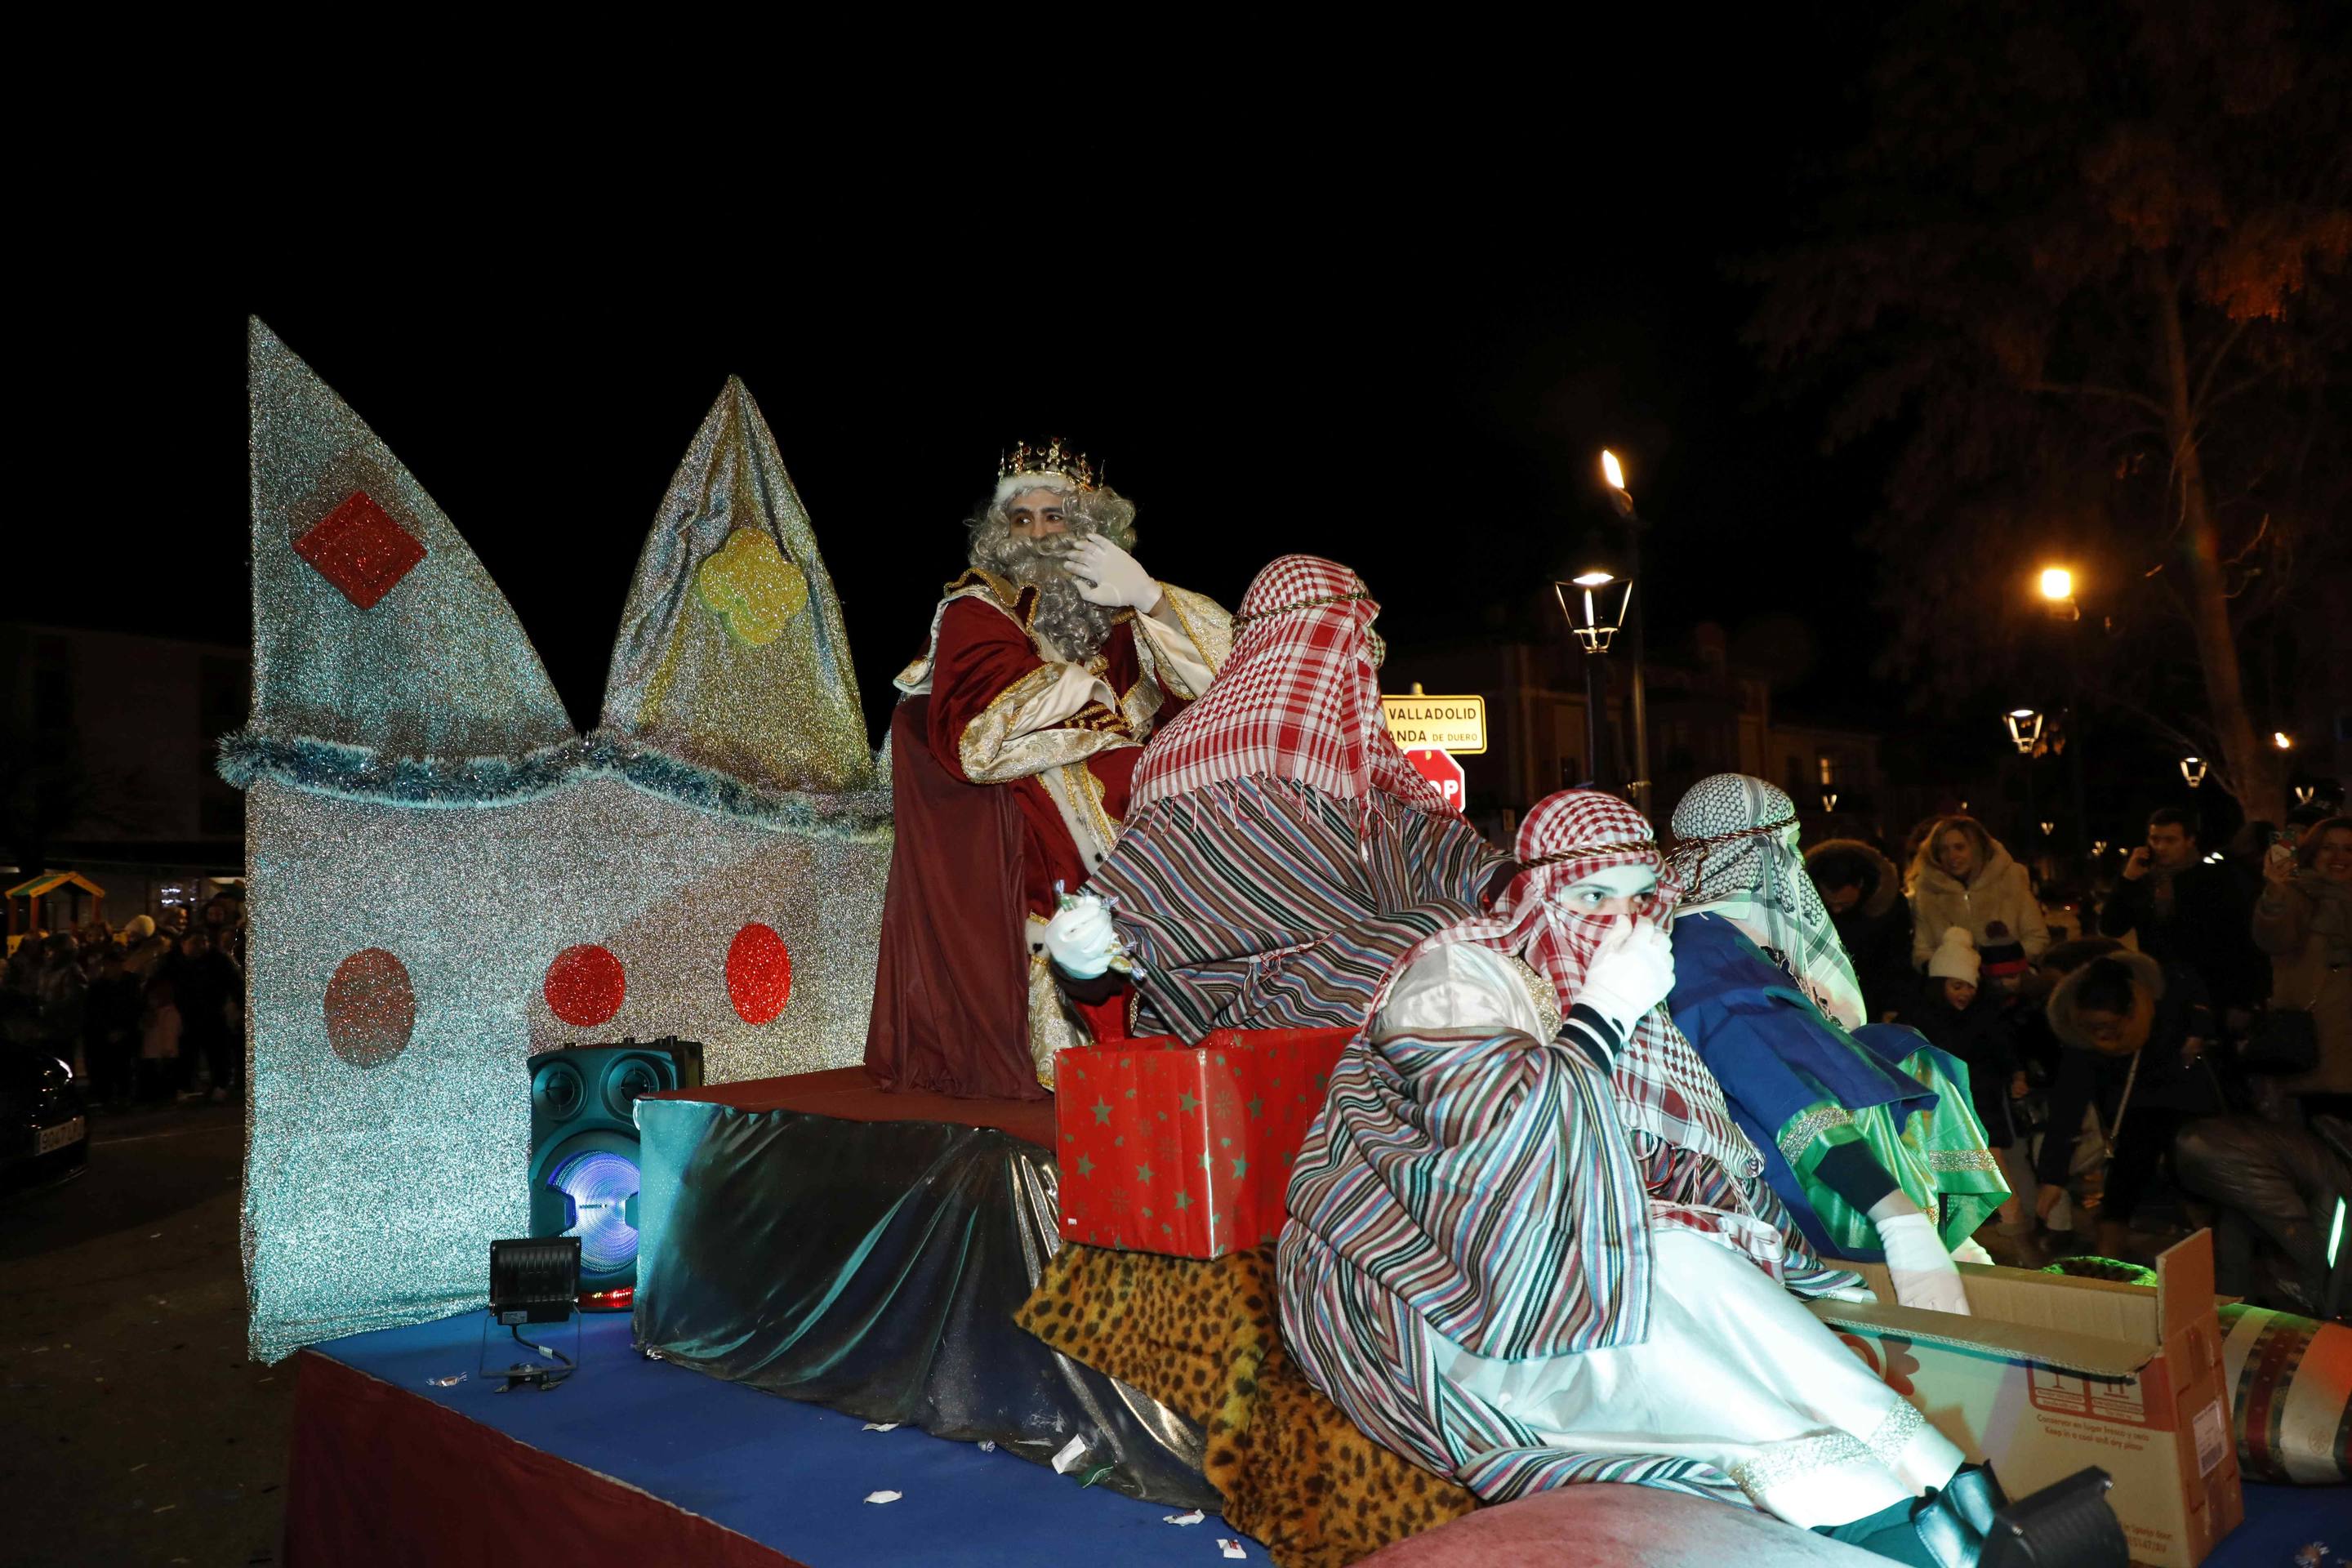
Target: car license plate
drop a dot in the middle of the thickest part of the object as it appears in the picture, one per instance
(59, 1137)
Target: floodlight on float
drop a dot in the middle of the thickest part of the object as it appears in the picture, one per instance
(2024, 729)
(1597, 609)
(2193, 770)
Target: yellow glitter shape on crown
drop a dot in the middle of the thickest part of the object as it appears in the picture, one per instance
(750, 587)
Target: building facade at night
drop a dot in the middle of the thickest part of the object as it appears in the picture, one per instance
(106, 763)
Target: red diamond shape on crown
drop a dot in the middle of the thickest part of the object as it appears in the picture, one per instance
(361, 550)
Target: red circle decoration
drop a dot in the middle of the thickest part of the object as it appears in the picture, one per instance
(584, 985)
(759, 974)
(371, 1009)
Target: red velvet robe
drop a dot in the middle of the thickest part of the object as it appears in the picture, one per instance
(951, 1000)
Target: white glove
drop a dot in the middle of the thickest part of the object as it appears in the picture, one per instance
(1106, 575)
(1969, 1252)
(1923, 1271)
(1631, 971)
(1081, 938)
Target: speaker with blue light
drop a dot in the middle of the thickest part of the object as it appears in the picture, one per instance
(583, 1152)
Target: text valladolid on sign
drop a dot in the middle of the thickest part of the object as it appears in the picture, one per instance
(1455, 724)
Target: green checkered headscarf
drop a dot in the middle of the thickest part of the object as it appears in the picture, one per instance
(1736, 855)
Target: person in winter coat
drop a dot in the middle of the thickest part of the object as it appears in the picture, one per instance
(2133, 1032)
(1863, 893)
(111, 1021)
(1962, 877)
(2188, 914)
(61, 991)
(2304, 920)
(1966, 1021)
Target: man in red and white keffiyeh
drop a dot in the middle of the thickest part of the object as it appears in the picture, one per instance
(1279, 853)
(1298, 698)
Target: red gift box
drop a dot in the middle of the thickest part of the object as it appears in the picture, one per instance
(1186, 1150)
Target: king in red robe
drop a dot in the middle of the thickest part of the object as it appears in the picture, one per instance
(1050, 664)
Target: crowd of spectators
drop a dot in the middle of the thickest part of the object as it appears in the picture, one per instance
(151, 1013)
(2195, 1038)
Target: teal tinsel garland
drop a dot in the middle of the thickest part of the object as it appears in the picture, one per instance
(360, 773)
(356, 773)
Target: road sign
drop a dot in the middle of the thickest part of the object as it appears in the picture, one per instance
(1456, 724)
(1441, 770)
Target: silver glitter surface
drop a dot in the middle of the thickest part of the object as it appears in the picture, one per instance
(437, 667)
(731, 655)
(372, 1191)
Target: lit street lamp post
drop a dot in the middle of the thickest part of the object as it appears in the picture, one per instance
(1623, 500)
(1596, 604)
(2058, 592)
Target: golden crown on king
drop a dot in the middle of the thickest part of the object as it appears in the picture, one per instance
(1051, 458)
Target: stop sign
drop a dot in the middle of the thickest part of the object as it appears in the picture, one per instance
(1440, 769)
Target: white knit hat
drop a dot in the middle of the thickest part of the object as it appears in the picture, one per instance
(1955, 957)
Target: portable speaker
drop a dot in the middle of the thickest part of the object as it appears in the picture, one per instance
(583, 1151)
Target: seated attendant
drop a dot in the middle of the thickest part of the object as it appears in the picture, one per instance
(1280, 854)
(1528, 1246)
(1866, 1129)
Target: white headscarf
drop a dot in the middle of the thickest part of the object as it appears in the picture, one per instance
(1736, 854)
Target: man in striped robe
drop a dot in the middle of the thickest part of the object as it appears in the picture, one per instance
(1280, 853)
(1528, 1244)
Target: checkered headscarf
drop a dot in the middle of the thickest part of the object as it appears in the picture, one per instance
(1296, 699)
(1661, 1085)
(1735, 853)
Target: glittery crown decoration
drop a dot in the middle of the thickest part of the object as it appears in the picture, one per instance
(1051, 458)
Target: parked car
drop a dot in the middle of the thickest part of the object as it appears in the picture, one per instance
(44, 1121)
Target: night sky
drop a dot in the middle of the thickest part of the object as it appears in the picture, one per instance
(1400, 351)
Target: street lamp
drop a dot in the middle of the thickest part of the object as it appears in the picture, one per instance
(2305, 793)
(2098, 848)
(1596, 609)
(2282, 739)
(2048, 828)
(1595, 603)
(1613, 473)
(1829, 800)
(2193, 770)
(2024, 729)
(2058, 587)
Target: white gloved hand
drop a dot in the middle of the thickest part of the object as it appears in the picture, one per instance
(1081, 938)
(1630, 973)
(1923, 1271)
(1106, 575)
(1969, 1252)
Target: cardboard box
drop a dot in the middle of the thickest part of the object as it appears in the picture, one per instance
(2050, 1374)
(1186, 1150)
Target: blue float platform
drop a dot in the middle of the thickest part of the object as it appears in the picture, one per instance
(636, 1460)
(388, 1467)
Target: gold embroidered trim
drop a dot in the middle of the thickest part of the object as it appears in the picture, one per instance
(1800, 1133)
(1541, 991)
(1000, 743)
(1962, 1160)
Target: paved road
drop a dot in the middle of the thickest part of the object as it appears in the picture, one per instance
(135, 1429)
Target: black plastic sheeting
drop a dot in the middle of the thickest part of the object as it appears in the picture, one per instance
(874, 1268)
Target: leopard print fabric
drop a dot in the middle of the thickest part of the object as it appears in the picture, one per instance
(1205, 1339)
